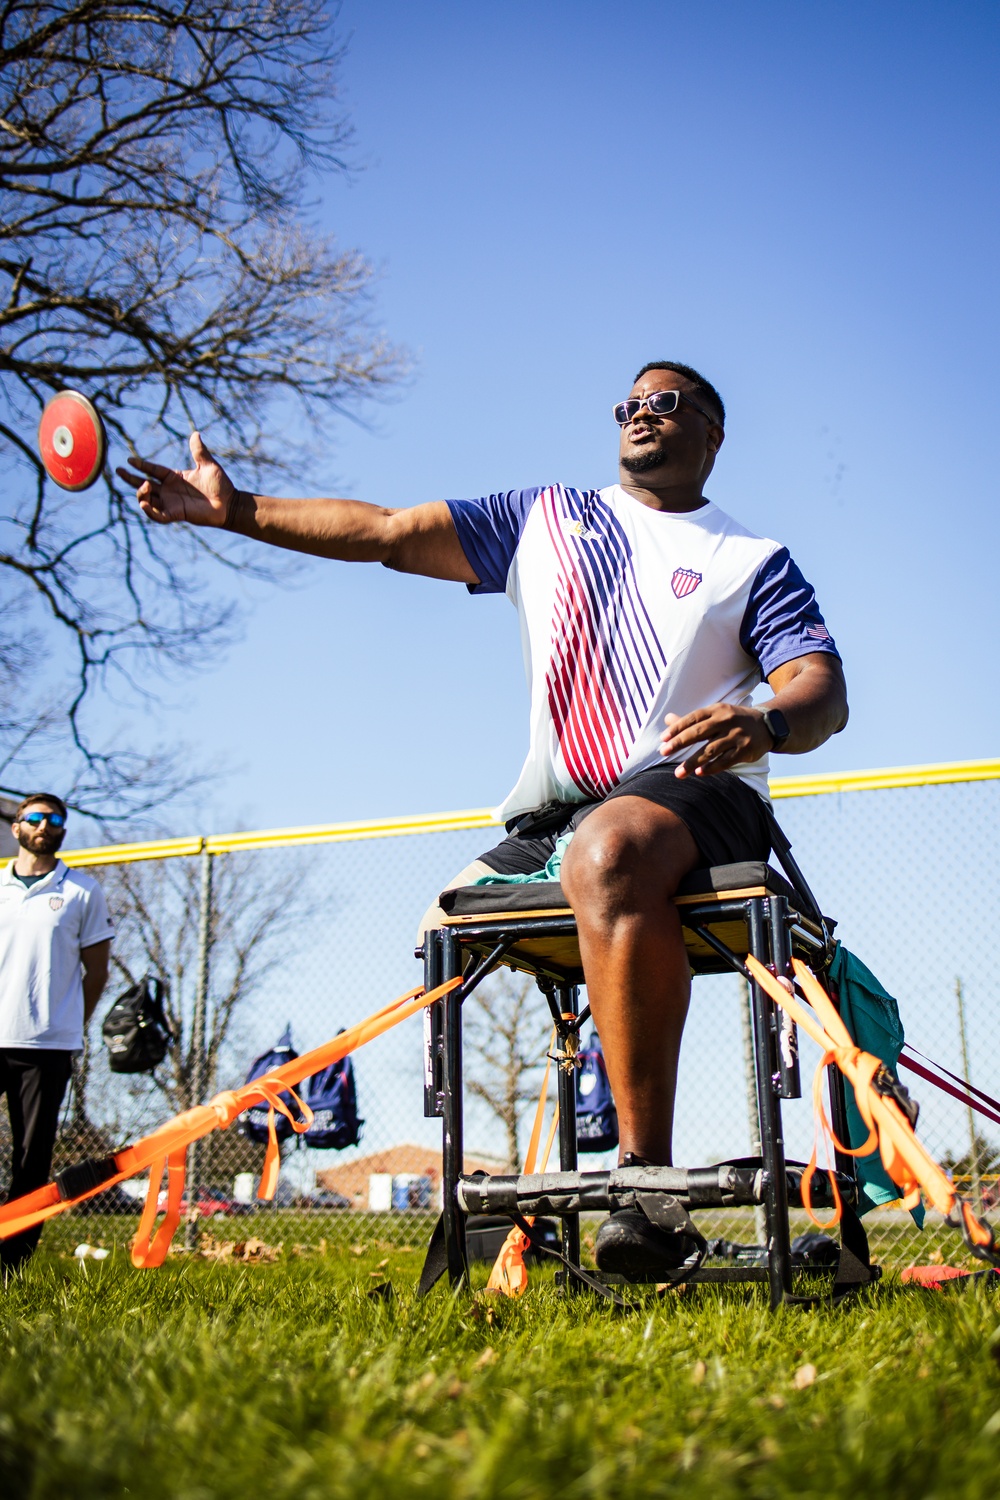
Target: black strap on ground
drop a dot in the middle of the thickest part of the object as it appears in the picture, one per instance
(577, 1272)
(435, 1261)
(854, 1268)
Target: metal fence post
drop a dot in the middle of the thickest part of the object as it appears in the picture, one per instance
(977, 1187)
(198, 1033)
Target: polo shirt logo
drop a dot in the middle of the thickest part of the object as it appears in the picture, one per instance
(56, 902)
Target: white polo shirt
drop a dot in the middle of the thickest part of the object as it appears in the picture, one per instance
(42, 930)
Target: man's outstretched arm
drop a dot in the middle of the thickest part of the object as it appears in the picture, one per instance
(420, 539)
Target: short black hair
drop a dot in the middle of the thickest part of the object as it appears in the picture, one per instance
(57, 803)
(704, 388)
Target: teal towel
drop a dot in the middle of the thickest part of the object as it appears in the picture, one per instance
(871, 1015)
(549, 871)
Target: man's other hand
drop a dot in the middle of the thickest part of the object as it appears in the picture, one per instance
(725, 734)
(810, 692)
(201, 495)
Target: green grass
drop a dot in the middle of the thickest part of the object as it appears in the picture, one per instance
(214, 1379)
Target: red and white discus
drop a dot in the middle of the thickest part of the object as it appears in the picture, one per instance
(72, 441)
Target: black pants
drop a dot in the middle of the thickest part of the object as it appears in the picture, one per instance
(34, 1080)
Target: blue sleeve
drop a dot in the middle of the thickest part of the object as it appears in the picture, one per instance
(489, 530)
(782, 619)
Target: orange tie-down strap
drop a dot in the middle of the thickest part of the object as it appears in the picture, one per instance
(510, 1273)
(889, 1129)
(167, 1146)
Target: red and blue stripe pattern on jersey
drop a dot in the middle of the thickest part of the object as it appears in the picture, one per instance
(606, 662)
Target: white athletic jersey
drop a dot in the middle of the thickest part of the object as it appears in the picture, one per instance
(628, 614)
(42, 930)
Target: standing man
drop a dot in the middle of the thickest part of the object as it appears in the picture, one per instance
(55, 939)
(648, 617)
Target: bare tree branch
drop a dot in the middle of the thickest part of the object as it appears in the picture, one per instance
(155, 909)
(156, 252)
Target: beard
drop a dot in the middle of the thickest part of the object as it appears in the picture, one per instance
(645, 461)
(39, 842)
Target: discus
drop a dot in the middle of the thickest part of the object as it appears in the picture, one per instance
(72, 441)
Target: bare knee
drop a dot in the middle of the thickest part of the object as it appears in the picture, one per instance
(599, 860)
(607, 873)
(626, 860)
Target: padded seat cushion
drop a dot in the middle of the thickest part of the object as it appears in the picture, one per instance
(548, 895)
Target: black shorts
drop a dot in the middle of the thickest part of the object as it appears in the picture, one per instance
(725, 817)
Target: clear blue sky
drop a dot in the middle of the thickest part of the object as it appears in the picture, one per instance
(799, 199)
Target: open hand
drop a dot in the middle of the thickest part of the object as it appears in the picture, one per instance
(200, 495)
(726, 735)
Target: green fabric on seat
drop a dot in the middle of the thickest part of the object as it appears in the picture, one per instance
(871, 1015)
(549, 871)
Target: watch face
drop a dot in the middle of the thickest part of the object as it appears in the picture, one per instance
(777, 724)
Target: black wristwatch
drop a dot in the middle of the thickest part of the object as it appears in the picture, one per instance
(776, 725)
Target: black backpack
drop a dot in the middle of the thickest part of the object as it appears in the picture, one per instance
(136, 1031)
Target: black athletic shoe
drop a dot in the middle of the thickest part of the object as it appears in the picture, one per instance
(629, 1245)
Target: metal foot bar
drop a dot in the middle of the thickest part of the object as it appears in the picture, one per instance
(729, 1185)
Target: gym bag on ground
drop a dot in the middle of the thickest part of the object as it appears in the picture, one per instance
(253, 1121)
(332, 1097)
(596, 1116)
(136, 1031)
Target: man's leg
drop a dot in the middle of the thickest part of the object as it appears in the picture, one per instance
(36, 1082)
(515, 855)
(434, 915)
(624, 864)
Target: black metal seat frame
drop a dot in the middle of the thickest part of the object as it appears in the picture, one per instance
(776, 926)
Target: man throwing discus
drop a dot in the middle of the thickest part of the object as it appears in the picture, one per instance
(648, 618)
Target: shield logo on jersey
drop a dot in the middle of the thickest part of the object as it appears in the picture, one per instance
(56, 902)
(684, 582)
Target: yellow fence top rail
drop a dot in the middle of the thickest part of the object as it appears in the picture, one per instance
(940, 774)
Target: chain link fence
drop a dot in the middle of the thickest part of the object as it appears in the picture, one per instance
(317, 935)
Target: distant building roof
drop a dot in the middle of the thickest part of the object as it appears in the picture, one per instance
(351, 1179)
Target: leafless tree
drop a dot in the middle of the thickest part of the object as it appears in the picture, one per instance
(506, 1031)
(156, 253)
(155, 909)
